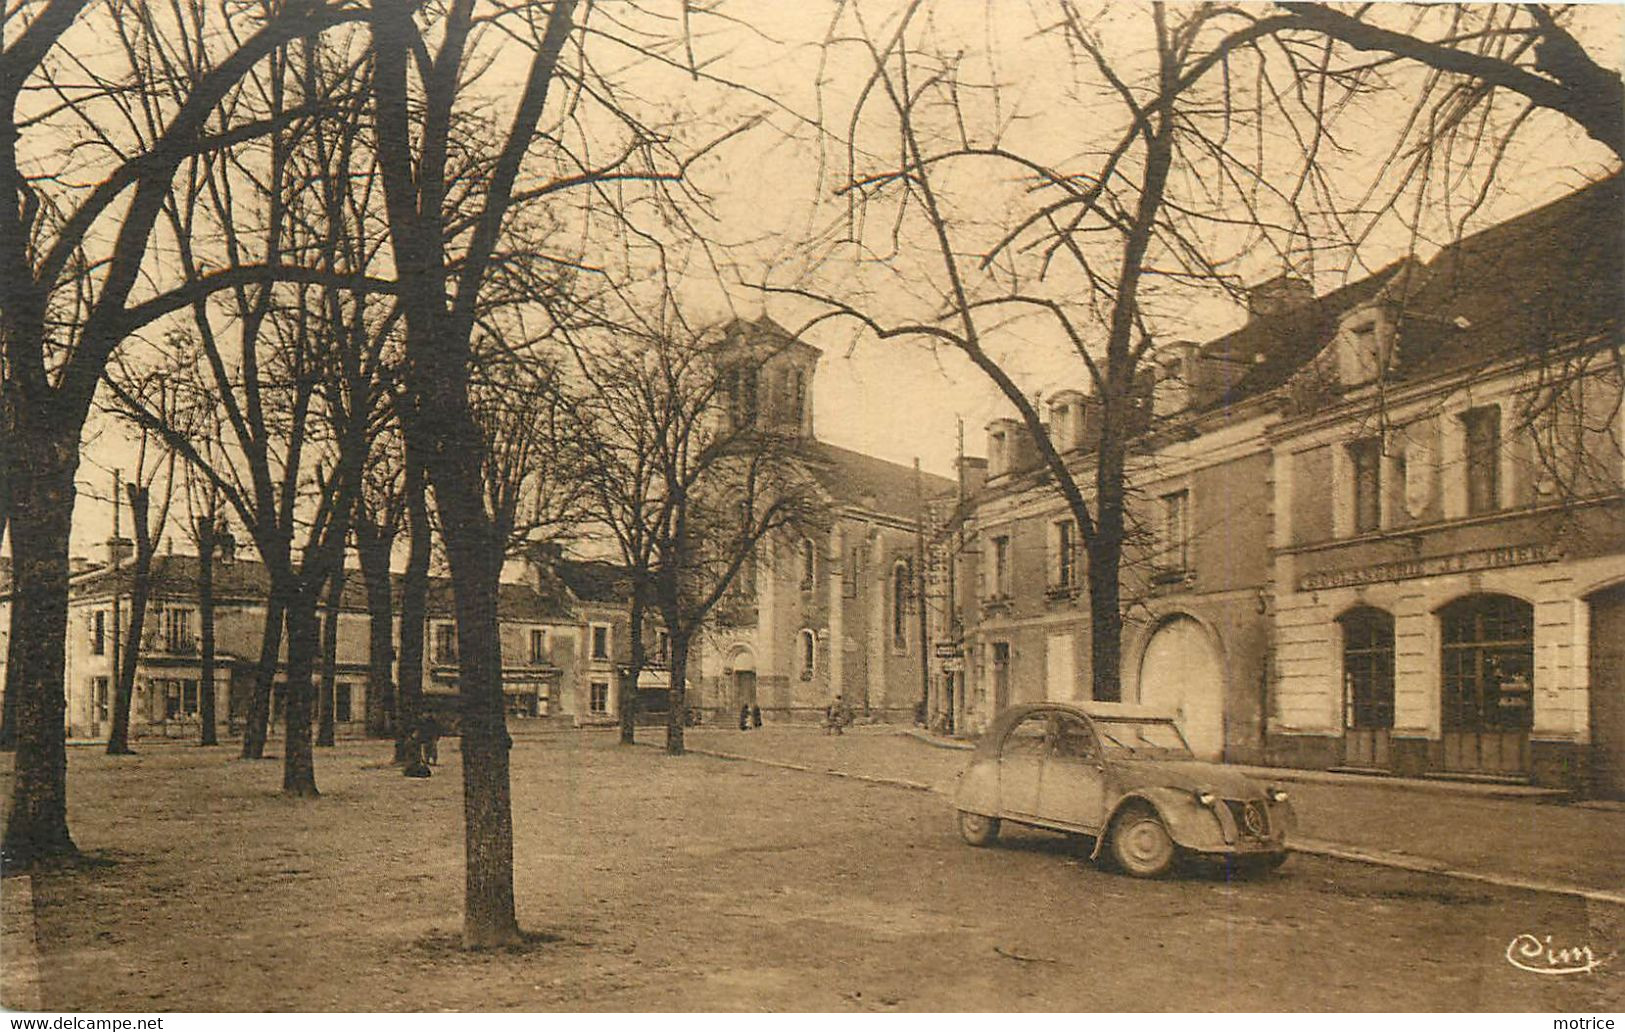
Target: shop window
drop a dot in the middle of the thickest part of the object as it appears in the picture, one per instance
(1368, 669)
(1483, 427)
(1488, 663)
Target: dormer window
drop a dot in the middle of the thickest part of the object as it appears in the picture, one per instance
(998, 451)
(1066, 420)
(1172, 392)
(1362, 347)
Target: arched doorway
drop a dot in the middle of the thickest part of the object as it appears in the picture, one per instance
(1487, 680)
(742, 667)
(1368, 687)
(1180, 672)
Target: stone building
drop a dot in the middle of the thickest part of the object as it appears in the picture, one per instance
(563, 640)
(1378, 529)
(834, 613)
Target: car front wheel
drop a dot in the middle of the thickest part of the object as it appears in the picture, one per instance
(977, 829)
(1140, 844)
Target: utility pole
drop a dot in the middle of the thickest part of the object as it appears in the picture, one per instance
(112, 567)
(919, 593)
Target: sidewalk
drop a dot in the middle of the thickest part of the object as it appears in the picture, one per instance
(1530, 840)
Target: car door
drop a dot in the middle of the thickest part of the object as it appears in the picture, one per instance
(1021, 765)
(1072, 790)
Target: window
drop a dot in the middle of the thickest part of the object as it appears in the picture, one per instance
(445, 643)
(798, 397)
(662, 646)
(1368, 669)
(1366, 457)
(1066, 554)
(98, 633)
(180, 697)
(1483, 426)
(600, 641)
(598, 700)
(178, 629)
(341, 703)
(742, 396)
(1488, 660)
(899, 605)
(1074, 741)
(1030, 738)
(1175, 550)
(808, 561)
(538, 646)
(1001, 566)
(808, 653)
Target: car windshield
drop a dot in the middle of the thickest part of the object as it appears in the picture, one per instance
(1159, 739)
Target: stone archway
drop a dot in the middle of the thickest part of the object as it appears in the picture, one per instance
(741, 670)
(1182, 672)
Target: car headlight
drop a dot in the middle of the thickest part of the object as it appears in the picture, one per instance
(1276, 795)
(1205, 797)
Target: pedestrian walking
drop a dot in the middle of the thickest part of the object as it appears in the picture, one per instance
(755, 715)
(744, 718)
(429, 736)
(835, 717)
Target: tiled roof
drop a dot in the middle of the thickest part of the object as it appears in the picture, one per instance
(595, 580)
(176, 576)
(875, 484)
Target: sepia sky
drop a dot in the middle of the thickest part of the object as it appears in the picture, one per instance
(774, 187)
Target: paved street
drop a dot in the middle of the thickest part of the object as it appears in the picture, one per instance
(1533, 840)
(698, 883)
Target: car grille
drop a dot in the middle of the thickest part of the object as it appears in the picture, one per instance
(1252, 818)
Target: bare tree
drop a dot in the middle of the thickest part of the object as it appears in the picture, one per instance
(149, 530)
(1150, 184)
(693, 487)
(446, 230)
(73, 251)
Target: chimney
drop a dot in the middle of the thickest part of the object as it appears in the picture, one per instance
(541, 560)
(225, 545)
(1066, 420)
(972, 475)
(1279, 294)
(119, 549)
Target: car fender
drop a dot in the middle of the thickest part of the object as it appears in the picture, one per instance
(978, 790)
(1190, 824)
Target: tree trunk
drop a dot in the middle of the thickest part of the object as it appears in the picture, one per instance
(629, 688)
(325, 731)
(259, 704)
(298, 761)
(414, 611)
(373, 549)
(1105, 576)
(118, 739)
(475, 553)
(40, 479)
(205, 611)
(679, 691)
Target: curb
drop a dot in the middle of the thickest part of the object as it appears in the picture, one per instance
(1309, 847)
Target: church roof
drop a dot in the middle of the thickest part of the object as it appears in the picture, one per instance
(854, 478)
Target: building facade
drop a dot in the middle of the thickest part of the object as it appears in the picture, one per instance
(563, 630)
(1382, 529)
(837, 612)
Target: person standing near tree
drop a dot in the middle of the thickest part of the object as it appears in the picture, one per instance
(429, 734)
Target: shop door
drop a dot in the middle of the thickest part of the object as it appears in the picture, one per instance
(1608, 693)
(1180, 674)
(1368, 688)
(1488, 694)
